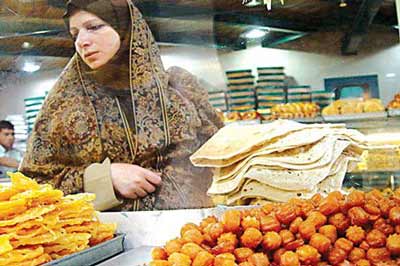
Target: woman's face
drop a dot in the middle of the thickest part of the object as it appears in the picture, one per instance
(95, 40)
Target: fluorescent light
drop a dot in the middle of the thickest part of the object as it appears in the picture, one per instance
(255, 34)
(30, 67)
(390, 75)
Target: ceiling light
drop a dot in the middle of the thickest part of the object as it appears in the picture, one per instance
(342, 3)
(267, 3)
(390, 75)
(255, 34)
(30, 67)
(26, 45)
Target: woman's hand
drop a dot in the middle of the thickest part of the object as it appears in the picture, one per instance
(133, 181)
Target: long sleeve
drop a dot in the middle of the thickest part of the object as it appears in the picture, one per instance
(43, 162)
(63, 142)
(189, 86)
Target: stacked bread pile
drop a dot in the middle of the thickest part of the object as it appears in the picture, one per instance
(278, 161)
(353, 106)
(38, 224)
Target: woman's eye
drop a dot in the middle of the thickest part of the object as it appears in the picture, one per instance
(95, 27)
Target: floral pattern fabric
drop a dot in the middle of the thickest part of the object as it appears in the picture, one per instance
(168, 114)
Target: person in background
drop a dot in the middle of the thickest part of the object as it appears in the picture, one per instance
(117, 123)
(9, 157)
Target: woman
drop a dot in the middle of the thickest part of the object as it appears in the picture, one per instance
(115, 103)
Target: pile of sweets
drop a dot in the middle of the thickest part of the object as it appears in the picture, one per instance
(38, 224)
(360, 229)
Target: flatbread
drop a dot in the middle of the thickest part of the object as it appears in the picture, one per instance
(318, 155)
(234, 140)
(233, 143)
(291, 180)
(253, 189)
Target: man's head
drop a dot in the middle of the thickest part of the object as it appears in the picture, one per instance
(6, 134)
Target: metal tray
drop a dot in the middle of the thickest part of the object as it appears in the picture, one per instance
(135, 257)
(394, 112)
(354, 117)
(93, 255)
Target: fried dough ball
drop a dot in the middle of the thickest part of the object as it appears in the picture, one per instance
(251, 238)
(329, 231)
(226, 259)
(340, 221)
(393, 244)
(376, 255)
(344, 244)
(203, 258)
(269, 223)
(394, 215)
(246, 263)
(372, 208)
(307, 229)
(294, 244)
(191, 249)
(383, 226)
(385, 205)
(355, 198)
(206, 221)
(355, 234)
(179, 259)
(376, 239)
(228, 238)
(308, 254)
(289, 258)
(271, 241)
(364, 245)
(358, 216)
(294, 226)
(187, 227)
(286, 236)
(173, 246)
(397, 229)
(316, 199)
(356, 254)
(268, 208)
(317, 219)
(250, 221)
(159, 254)
(231, 221)
(214, 230)
(193, 235)
(242, 254)
(159, 263)
(329, 206)
(286, 214)
(363, 262)
(259, 259)
(336, 256)
(277, 255)
(320, 242)
(227, 243)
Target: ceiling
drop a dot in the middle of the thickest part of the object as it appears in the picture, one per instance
(216, 23)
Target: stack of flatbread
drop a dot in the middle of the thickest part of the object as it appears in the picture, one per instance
(278, 161)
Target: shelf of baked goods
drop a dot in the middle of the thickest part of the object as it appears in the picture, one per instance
(356, 113)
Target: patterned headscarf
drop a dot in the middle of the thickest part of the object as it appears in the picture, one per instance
(144, 69)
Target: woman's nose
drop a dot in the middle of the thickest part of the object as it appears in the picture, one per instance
(83, 39)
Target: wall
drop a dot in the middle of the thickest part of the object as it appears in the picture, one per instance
(15, 87)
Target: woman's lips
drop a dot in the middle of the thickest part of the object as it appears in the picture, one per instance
(90, 55)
